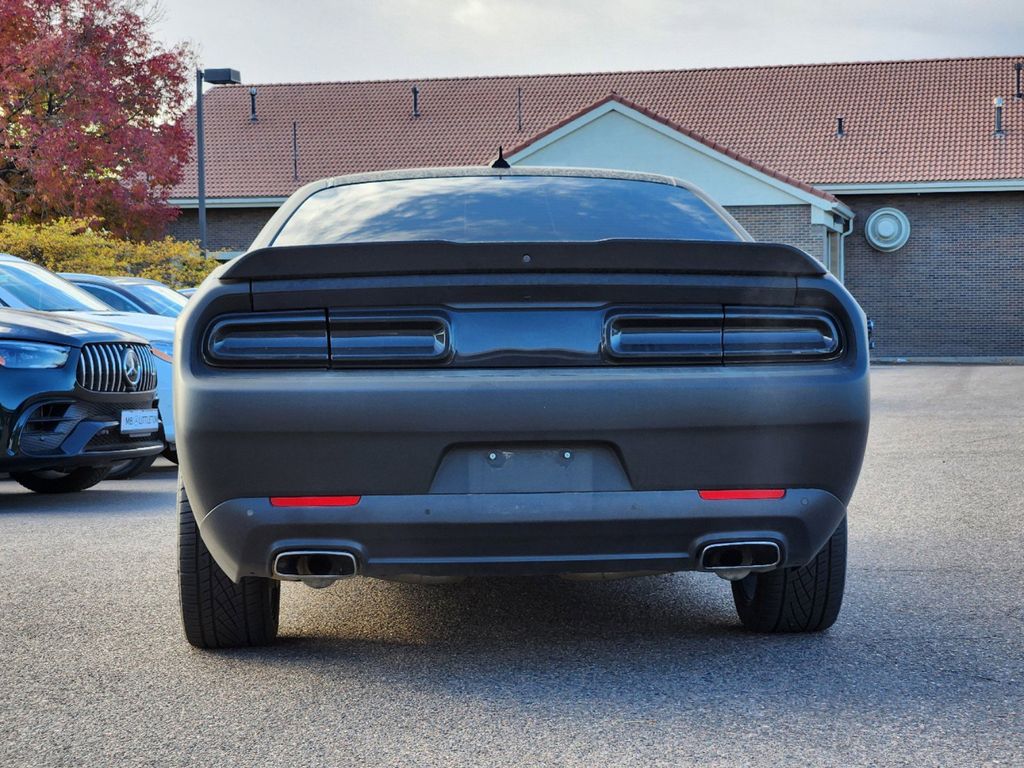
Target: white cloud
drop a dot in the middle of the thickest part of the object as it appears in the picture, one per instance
(270, 40)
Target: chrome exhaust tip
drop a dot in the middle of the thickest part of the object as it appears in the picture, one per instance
(315, 568)
(735, 560)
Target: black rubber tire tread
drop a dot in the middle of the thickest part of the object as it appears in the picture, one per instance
(215, 611)
(76, 480)
(805, 599)
(132, 468)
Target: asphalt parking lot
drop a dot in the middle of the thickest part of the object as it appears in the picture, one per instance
(925, 665)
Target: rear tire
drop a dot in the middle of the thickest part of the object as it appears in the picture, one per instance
(125, 470)
(215, 611)
(54, 481)
(805, 599)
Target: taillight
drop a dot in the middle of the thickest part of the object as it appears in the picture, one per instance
(272, 338)
(773, 335)
(687, 335)
(722, 335)
(381, 338)
(692, 336)
(320, 339)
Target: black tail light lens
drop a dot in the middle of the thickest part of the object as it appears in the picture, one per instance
(694, 337)
(732, 335)
(312, 339)
(779, 335)
(287, 339)
(683, 336)
(399, 339)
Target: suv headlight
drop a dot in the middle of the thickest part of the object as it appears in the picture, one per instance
(30, 354)
(164, 350)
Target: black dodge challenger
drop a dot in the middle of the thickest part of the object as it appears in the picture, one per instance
(433, 374)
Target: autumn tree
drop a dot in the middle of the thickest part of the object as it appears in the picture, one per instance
(89, 108)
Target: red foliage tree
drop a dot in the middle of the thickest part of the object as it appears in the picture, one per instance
(89, 108)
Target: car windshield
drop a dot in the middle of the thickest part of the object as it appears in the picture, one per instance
(166, 301)
(29, 286)
(504, 209)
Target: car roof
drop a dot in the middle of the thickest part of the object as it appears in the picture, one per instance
(85, 277)
(487, 172)
(124, 280)
(81, 277)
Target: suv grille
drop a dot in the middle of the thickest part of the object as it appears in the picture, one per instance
(116, 367)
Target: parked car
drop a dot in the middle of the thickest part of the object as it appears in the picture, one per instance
(131, 294)
(528, 371)
(76, 397)
(187, 292)
(24, 285)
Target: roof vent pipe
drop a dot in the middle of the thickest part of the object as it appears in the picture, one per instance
(997, 102)
(252, 104)
(840, 127)
(295, 150)
(415, 101)
(1018, 68)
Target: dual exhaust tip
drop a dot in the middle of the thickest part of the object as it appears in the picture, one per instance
(735, 560)
(315, 567)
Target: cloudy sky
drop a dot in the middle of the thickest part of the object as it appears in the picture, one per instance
(296, 40)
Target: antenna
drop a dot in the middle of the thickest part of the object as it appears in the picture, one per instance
(252, 104)
(501, 162)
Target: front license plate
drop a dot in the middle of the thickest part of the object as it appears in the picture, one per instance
(140, 422)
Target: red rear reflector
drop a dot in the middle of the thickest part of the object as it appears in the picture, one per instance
(314, 501)
(746, 493)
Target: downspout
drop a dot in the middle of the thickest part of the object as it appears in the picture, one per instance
(846, 230)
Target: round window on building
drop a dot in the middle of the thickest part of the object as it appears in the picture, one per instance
(887, 229)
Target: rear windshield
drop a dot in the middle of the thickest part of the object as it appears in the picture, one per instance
(489, 209)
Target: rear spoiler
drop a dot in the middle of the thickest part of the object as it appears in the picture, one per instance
(443, 257)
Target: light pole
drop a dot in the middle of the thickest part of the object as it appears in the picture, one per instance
(214, 77)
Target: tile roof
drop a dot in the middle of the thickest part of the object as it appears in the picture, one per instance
(905, 121)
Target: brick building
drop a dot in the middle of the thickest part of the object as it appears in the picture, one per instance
(905, 178)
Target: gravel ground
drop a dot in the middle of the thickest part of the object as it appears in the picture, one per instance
(924, 667)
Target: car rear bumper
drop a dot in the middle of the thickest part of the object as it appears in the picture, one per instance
(518, 533)
(258, 434)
